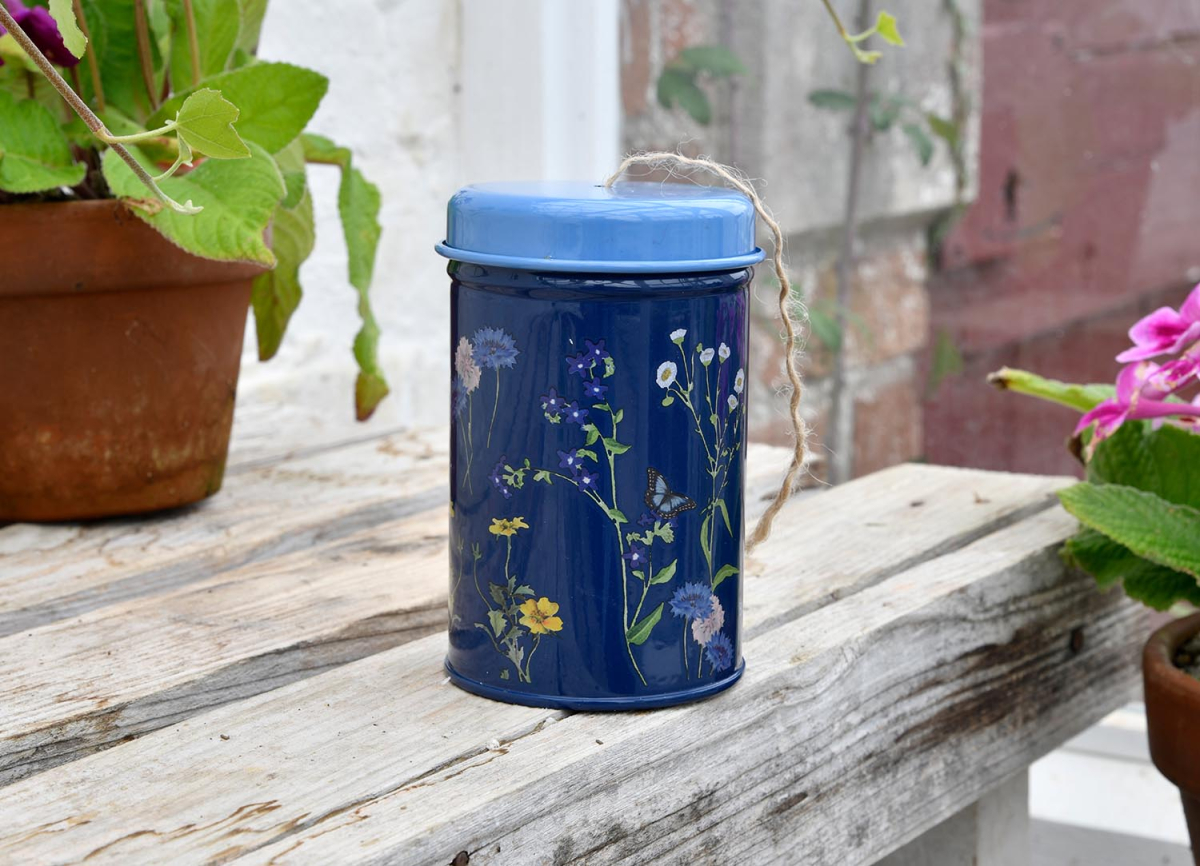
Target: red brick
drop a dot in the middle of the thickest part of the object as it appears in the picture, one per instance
(887, 427)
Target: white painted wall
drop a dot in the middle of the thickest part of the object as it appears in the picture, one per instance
(429, 94)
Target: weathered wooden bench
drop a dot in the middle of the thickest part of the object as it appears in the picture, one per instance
(259, 680)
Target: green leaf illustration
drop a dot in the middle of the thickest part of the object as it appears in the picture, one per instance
(584, 452)
(704, 539)
(664, 575)
(592, 432)
(617, 515)
(640, 630)
(34, 152)
(524, 589)
(724, 572)
(614, 446)
(205, 122)
(63, 14)
(542, 475)
(1151, 527)
(720, 503)
(668, 400)
(496, 618)
(238, 197)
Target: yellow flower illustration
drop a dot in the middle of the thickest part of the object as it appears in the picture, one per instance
(504, 526)
(540, 616)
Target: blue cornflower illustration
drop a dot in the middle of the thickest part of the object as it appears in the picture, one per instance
(494, 348)
(636, 555)
(581, 364)
(692, 600)
(595, 389)
(553, 402)
(575, 414)
(596, 350)
(569, 460)
(719, 651)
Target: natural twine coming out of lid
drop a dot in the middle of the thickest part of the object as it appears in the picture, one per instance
(665, 159)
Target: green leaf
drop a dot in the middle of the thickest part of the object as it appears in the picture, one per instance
(883, 112)
(640, 630)
(277, 292)
(639, 574)
(1154, 585)
(885, 28)
(921, 142)
(542, 475)
(114, 45)
(205, 122)
(614, 446)
(725, 571)
(943, 128)
(251, 13)
(717, 60)
(677, 87)
(275, 100)
(704, 539)
(1151, 527)
(720, 503)
(524, 589)
(496, 618)
(825, 328)
(664, 575)
(947, 360)
(1166, 461)
(496, 590)
(618, 515)
(1082, 398)
(833, 100)
(217, 26)
(668, 400)
(584, 452)
(619, 416)
(238, 197)
(358, 205)
(592, 432)
(34, 152)
(63, 14)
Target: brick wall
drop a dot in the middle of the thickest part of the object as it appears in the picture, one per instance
(1087, 216)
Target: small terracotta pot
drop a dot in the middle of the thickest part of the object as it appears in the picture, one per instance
(120, 356)
(1173, 717)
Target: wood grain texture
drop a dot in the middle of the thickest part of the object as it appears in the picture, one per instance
(361, 568)
(940, 642)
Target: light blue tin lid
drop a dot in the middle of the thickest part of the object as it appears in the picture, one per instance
(571, 226)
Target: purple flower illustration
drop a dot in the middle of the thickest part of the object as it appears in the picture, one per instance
(636, 555)
(586, 480)
(581, 364)
(569, 460)
(719, 651)
(575, 414)
(494, 348)
(693, 601)
(497, 479)
(647, 519)
(552, 402)
(596, 350)
(594, 389)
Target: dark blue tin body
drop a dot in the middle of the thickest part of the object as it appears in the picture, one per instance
(598, 434)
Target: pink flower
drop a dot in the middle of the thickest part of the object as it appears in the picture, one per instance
(703, 630)
(1141, 389)
(1165, 331)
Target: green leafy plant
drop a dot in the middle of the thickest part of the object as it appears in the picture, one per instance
(892, 110)
(678, 84)
(180, 121)
(885, 28)
(1140, 442)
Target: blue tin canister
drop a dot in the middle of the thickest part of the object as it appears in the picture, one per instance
(598, 424)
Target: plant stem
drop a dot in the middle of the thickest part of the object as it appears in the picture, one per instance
(687, 668)
(93, 62)
(841, 469)
(142, 31)
(495, 406)
(86, 114)
(193, 43)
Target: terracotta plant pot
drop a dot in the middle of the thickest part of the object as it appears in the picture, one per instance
(120, 356)
(1173, 717)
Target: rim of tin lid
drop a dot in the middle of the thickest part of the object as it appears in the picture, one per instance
(631, 228)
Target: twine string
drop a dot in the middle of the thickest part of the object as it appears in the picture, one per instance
(762, 531)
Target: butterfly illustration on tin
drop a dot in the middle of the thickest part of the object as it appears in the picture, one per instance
(662, 499)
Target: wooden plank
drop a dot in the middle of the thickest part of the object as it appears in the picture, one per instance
(390, 723)
(245, 623)
(855, 729)
(59, 571)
